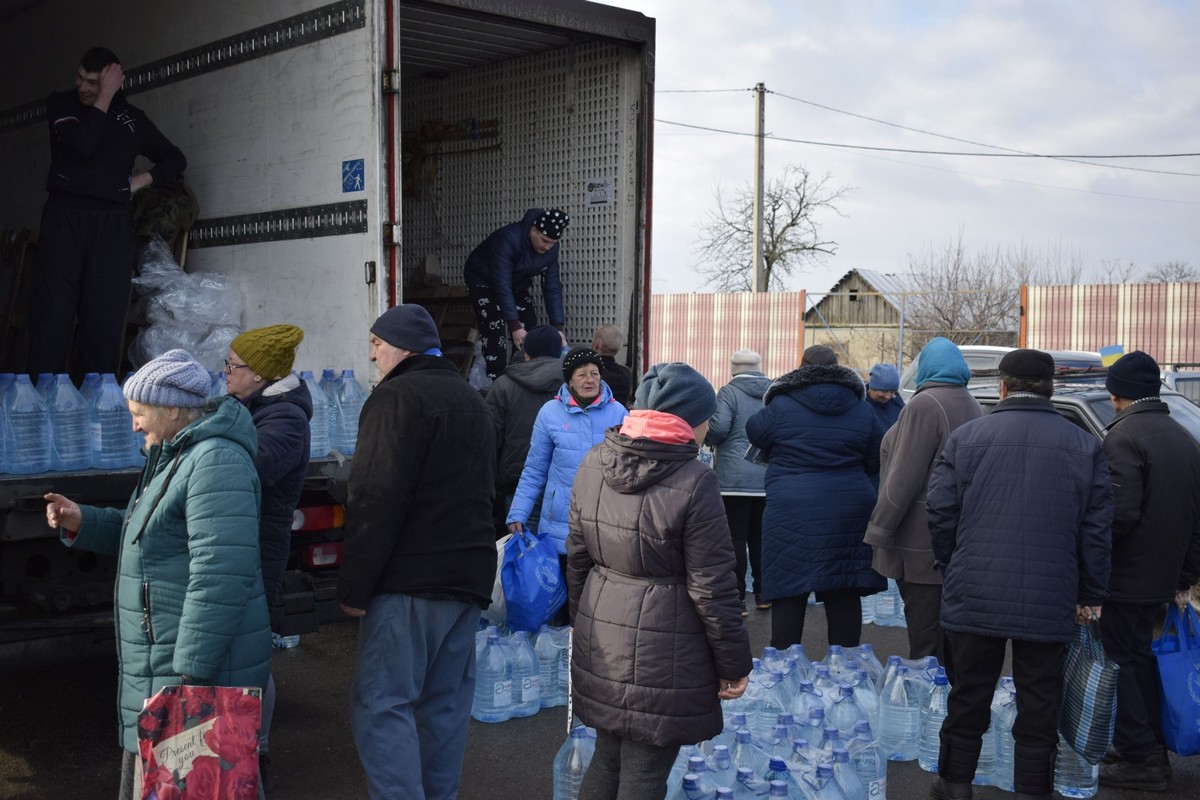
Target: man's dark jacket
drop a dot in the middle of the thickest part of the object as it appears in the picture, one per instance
(1020, 511)
(515, 400)
(619, 379)
(1155, 467)
(507, 262)
(418, 519)
(92, 152)
(281, 412)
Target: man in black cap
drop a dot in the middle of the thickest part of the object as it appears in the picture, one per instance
(499, 274)
(1155, 468)
(85, 250)
(1020, 511)
(419, 560)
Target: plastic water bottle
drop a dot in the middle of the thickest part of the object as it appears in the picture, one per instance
(777, 770)
(743, 753)
(867, 697)
(887, 606)
(112, 437)
(351, 396)
(762, 708)
(869, 761)
(285, 642)
(493, 681)
(796, 651)
(138, 441)
(805, 700)
(845, 776)
(70, 447)
(547, 653)
(91, 382)
(1074, 777)
(1004, 714)
(330, 384)
(44, 381)
(318, 426)
(526, 677)
(845, 711)
(571, 763)
(7, 381)
(864, 654)
(822, 786)
(899, 717)
(29, 421)
(868, 609)
(933, 713)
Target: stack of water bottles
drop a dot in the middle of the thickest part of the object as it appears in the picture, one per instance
(517, 677)
(337, 425)
(885, 609)
(55, 427)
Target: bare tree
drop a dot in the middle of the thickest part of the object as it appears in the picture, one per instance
(791, 238)
(1172, 272)
(1115, 270)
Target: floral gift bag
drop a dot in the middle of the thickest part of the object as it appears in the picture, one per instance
(200, 742)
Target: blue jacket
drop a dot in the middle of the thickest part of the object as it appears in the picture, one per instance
(281, 413)
(887, 412)
(737, 401)
(1020, 513)
(507, 262)
(823, 446)
(189, 596)
(562, 434)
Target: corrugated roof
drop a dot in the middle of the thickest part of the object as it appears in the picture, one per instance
(891, 286)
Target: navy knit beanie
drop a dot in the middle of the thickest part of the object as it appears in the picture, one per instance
(677, 389)
(1134, 376)
(543, 340)
(408, 327)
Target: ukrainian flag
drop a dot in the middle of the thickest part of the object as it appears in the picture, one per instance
(1110, 354)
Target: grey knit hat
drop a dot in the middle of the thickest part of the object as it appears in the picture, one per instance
(173, 380)
(745, 361)
(677, 389)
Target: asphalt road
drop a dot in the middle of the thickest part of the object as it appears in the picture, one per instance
(58, 731)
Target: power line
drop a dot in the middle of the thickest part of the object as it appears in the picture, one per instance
(952, 152)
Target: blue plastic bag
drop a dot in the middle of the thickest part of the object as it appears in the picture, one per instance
(533, 583)
(1087, 713)
(1178, 654)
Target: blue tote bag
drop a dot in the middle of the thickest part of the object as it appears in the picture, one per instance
(533, 584)
(1178, 654)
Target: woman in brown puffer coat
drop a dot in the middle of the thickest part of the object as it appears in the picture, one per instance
(659, 637)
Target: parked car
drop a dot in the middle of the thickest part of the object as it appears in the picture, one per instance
(1184, 381)
(1075, 365)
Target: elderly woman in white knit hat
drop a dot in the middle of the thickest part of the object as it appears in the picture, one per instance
(189, 602)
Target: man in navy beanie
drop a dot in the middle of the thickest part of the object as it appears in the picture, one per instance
(419, 560)
(1155, 467)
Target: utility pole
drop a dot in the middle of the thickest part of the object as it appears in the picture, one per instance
(760, 279)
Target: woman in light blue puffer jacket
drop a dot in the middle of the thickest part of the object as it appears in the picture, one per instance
(565, 429)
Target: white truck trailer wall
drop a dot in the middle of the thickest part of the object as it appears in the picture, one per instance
(565, 118)
(264, 135)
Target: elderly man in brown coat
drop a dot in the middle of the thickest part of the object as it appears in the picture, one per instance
(899, 527)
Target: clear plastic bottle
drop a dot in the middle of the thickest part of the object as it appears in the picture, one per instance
(351, 396)
(44, 381)
(887, 606)
(867, 697)
(864, 654)
(813, 729)
(933, 713)
(285, 642)
(762, 707)
(330, 384)
(822, 786)
(1073, 776)
(29, 421)
(869, 761)
(318, 426)
(70, 444)
(899, 717)
(112, 440)
(493, 681)
(868, 609)
(796, 651)
(91, 382)
(804, 700)
(547, 653)
(777, 770)
(845, 711)
(526, 677)
(835, 658)
(743, 752)
(749, 784)
(1004, 714)
(138, 439)
(825, 685)
(571, 762)
(6, 380)
(847, 779)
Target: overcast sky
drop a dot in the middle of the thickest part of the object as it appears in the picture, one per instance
(1096, 78)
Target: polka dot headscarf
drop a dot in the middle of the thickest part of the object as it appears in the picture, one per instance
(552, 223)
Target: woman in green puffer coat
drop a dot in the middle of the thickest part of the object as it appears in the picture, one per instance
(189, 603)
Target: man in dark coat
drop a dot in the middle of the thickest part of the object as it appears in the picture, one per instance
(499, 275)
(1020, 510)
(607, 342)
(1155, 468)
(883, 385)
(85, 250)
(419, 560)
(899, 528)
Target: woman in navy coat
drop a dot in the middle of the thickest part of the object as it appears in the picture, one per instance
(822, 442)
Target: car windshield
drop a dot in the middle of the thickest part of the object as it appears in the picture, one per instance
(1182, 412)
(1188, 386)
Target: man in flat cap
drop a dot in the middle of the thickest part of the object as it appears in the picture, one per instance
(419, 560)
(499, 275)
(1155, 468)
(1020, 512)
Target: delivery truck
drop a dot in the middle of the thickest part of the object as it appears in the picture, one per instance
(345, 157)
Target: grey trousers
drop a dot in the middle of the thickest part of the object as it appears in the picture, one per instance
(623, 769)
(922, 610)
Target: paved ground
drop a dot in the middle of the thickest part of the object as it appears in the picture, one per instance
(57, 736)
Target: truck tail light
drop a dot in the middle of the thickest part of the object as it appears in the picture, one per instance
(318, 518)
(323, 555)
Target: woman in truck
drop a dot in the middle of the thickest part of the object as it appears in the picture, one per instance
(258, 372)
(189, 603)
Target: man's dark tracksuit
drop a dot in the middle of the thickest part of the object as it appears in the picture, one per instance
(85, 247)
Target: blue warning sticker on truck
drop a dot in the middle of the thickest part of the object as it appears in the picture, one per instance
(352, 175)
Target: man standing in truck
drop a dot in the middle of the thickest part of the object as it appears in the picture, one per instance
(419, 559)
(85, 248)
(499, 274)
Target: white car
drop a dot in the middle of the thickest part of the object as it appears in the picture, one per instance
(1072, 365)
